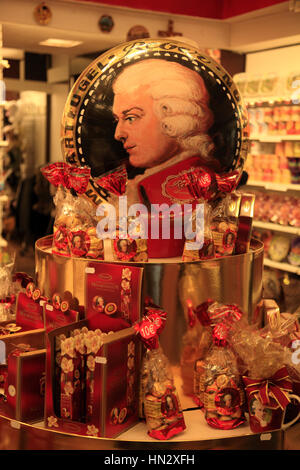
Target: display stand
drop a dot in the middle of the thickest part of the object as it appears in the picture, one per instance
(15, 435)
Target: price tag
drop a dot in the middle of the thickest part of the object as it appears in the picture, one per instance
(2, 352)
(15, 424)
(147, 329)
(266, 436)
(101, 360)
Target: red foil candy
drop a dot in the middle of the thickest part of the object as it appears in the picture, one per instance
(228, 182)
(205, 184)
(210, 313)
(70, 177)
(114, 182)
(201, 312)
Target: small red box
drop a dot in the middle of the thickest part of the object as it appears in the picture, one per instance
(25, 386)
(114, 289)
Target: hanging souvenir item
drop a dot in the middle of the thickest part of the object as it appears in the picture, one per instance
(195, 344)
(209, 315)
(158, 394)
(75, 219)
(224, 225)
(42, 14)
(223, 395)
(204, 248)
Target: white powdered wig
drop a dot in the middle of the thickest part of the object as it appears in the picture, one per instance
(181, 101)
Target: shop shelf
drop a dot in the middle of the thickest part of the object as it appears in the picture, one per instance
(282, 266)
(276, 227)
(274, 138)
(274, 186)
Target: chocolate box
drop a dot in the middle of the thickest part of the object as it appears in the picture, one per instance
(55, 318)
(24, 389)
(114, 289)
(29, 319)
(115, 370)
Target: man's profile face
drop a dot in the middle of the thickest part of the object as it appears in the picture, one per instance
(123, 246)
(140, 130)
(77, 242)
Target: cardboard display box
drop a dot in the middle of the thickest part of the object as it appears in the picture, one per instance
(24, 389)
(116, 368)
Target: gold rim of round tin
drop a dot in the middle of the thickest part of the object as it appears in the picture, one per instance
(103, 68)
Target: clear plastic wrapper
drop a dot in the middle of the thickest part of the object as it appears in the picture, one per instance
(159, 400)
(220, 384)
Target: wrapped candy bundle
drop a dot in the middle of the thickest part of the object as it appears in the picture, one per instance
(158, 393)
(284, 329)
(129, 242)
(210, 314)
(223, 394)
(195, 344)
(203, 186)
(75, 220)
(266, 378)
(205, 249)
(224, 224)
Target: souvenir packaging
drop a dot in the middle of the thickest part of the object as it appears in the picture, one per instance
(71, 380)
(195, 344)
(267, 382)
(29, 314)
(245, 220)
(129, 242)
(75, 220)
(268, 400)
(58, 313)
(114, 290)
(88, 343)
(161, 405)
(108, 404)
(224, 225)
(24, 386)
(209, 314)
(196, 251)
(223, 395)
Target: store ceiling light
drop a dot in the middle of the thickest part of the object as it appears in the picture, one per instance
(59, 43)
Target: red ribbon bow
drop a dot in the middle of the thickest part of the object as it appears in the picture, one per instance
(272, 392)
(211, 312)
(68, 176)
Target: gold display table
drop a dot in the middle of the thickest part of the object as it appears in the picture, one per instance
(15, 435)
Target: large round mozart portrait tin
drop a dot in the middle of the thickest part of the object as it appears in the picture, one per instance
(157, 106)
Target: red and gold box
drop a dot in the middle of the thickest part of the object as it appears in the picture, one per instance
(114, 374)
(55, 318)
(114, 289)
(24, 388)
(29, 318)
